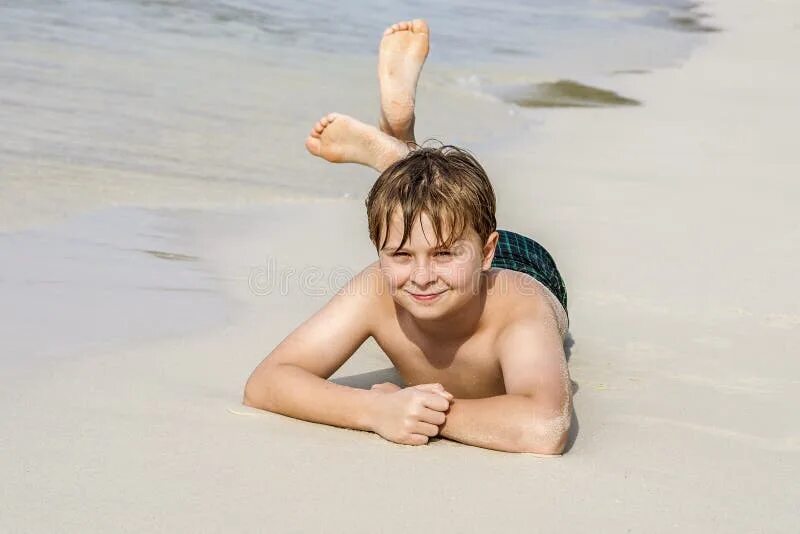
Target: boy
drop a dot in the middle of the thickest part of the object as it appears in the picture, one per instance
(473, 318)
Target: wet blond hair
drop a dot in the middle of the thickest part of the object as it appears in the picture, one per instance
(446, 183)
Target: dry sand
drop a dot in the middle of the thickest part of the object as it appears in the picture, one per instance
(673, 224)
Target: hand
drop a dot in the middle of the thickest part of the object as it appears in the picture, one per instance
(389, 387)
(386, 387)
(412, 415)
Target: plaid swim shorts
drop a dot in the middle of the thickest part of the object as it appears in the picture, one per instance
(523, 254)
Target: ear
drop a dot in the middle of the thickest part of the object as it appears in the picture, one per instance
(488, 250)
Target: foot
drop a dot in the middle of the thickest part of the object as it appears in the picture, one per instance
(341, 139)
(403, 50)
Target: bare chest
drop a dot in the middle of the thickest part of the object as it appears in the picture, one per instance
(467, 370)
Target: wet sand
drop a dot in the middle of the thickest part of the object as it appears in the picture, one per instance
(674, 225)
(566, 94)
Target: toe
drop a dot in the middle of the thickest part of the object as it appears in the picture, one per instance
(313, 145)
(419, 26)
(403, 25)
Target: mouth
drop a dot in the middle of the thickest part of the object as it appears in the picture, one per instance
(426, 297)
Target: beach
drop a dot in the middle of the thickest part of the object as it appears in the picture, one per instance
(132, 315)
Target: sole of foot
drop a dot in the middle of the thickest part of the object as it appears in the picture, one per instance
(342, 139)
(403, 49)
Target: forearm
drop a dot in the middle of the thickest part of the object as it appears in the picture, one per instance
(507, 423)
(292, 391)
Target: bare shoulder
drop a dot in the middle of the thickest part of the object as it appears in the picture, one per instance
(364, 294)
(521, 300)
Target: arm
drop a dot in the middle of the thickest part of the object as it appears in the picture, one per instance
(534, 414)
(292, 379)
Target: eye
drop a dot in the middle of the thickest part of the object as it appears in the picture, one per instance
(401, 254)
(443, 253)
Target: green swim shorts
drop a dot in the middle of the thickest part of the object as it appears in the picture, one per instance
(523, 254)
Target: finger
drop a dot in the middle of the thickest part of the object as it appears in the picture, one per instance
(415, 439)
(435, 388)
(435, 402)
(430, 387)
(433, 417)
(426, 429)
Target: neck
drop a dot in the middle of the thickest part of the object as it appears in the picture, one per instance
(458, 325)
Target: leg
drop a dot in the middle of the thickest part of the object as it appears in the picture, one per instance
(403, 50)
(341, 139)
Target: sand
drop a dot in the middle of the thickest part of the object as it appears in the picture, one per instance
(673, 223)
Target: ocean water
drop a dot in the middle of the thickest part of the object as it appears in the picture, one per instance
(200, 102)
(97, 281)
(114, 113)
(464, 31)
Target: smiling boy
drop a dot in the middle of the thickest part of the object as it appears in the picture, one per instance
(472, 318)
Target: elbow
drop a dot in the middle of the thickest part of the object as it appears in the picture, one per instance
(544, 447)
(256, 393)
(262, 389)
(546, 438)
(250, 397)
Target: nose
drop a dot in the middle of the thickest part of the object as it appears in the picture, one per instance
(423, 273)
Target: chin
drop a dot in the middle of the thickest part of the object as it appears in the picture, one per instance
(425, 313)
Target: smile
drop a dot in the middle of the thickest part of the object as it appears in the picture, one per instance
(426, 297)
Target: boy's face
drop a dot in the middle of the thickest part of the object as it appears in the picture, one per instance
(428, 280)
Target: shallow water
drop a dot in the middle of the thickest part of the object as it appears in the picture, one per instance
(160, 103)
(566, 94)
(155, 105)
(98, 281)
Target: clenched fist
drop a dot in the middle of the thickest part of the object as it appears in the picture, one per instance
(411, 415)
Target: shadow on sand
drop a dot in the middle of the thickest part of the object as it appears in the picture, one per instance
(390, 374)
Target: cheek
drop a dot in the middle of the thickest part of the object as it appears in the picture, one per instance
(395, 274)
(458, 273)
